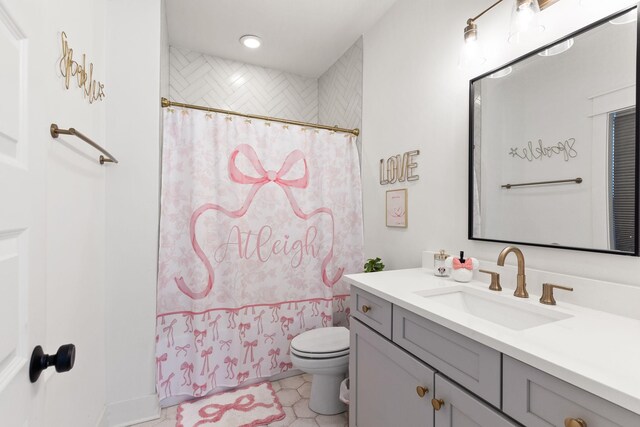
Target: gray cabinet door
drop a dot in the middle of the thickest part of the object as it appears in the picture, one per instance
(383, 383)
(538, 399)
(467, 362)
(461, 409)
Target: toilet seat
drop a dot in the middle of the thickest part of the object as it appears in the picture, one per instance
(321, 343)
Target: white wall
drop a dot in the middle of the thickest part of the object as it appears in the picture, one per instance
(133, 130)
(75, 211)
(416, 97)
(207, 80)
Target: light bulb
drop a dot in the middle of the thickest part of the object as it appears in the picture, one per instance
(471, 55)
(524, 20)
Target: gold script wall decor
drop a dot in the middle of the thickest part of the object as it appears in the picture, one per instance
(93, 89)
(399, 168)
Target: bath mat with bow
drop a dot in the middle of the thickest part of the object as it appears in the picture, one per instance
(251, 406)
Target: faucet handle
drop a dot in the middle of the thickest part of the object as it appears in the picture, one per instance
(547, 293)
(495, 280)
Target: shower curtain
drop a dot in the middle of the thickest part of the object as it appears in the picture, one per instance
(259, 223)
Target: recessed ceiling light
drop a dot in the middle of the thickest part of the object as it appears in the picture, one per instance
(631, 16)
(252, 42)
(557, 49)
(501, 73)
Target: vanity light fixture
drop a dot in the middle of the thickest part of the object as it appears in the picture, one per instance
(524, 19)
(251, 41)
(471, 54)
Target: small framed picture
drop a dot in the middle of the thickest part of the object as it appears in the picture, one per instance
(396, 207)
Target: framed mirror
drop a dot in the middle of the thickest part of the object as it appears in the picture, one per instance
(553, 158)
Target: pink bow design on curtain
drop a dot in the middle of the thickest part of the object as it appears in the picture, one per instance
(214, 326)
(205, 355)
(468, 264)
(243, 328)
(258, 367)
(167, 384)
(169, 331)
(159, 361)
(285, 366)
(187, 370)
(199, 337)
(326, 318)
(230, 364)
(249, 346)
(243, 403)
(242, 376)
(199, 390)
(274, 353)
(182, 349)
(264, 177)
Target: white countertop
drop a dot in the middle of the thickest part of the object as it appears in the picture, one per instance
(593, 350)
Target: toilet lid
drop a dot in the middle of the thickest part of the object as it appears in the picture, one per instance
(322, 341)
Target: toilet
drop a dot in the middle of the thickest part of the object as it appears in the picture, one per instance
(324, 353)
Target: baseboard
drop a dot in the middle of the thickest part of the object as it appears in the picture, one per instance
(127, 412)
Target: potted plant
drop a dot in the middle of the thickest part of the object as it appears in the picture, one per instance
(373, 265)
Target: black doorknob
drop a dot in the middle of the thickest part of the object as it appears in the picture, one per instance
(63, 360)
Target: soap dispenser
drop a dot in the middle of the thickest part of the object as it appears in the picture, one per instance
(461, 268)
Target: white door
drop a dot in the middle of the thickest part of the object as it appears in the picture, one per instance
(22, 220)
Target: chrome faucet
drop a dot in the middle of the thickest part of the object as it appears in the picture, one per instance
(521, 289)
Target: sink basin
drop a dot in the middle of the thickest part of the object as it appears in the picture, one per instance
(510, 314)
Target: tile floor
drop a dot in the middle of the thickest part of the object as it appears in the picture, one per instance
(293, 393)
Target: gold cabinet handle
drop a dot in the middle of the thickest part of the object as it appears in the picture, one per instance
(574, 422)
(365, 308)
(437, 403)
(421, 391)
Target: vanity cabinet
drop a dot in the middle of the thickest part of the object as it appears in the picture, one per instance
(391, 387)
(406, 370)
(538, 399)
(461, 409)
(384, 383)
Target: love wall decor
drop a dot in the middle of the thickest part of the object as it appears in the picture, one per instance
(93, 90)
(399, 168)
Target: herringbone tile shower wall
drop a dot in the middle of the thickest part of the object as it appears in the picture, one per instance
(340, 90)
(201, 79)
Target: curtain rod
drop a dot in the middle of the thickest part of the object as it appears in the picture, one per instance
(166, 103)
